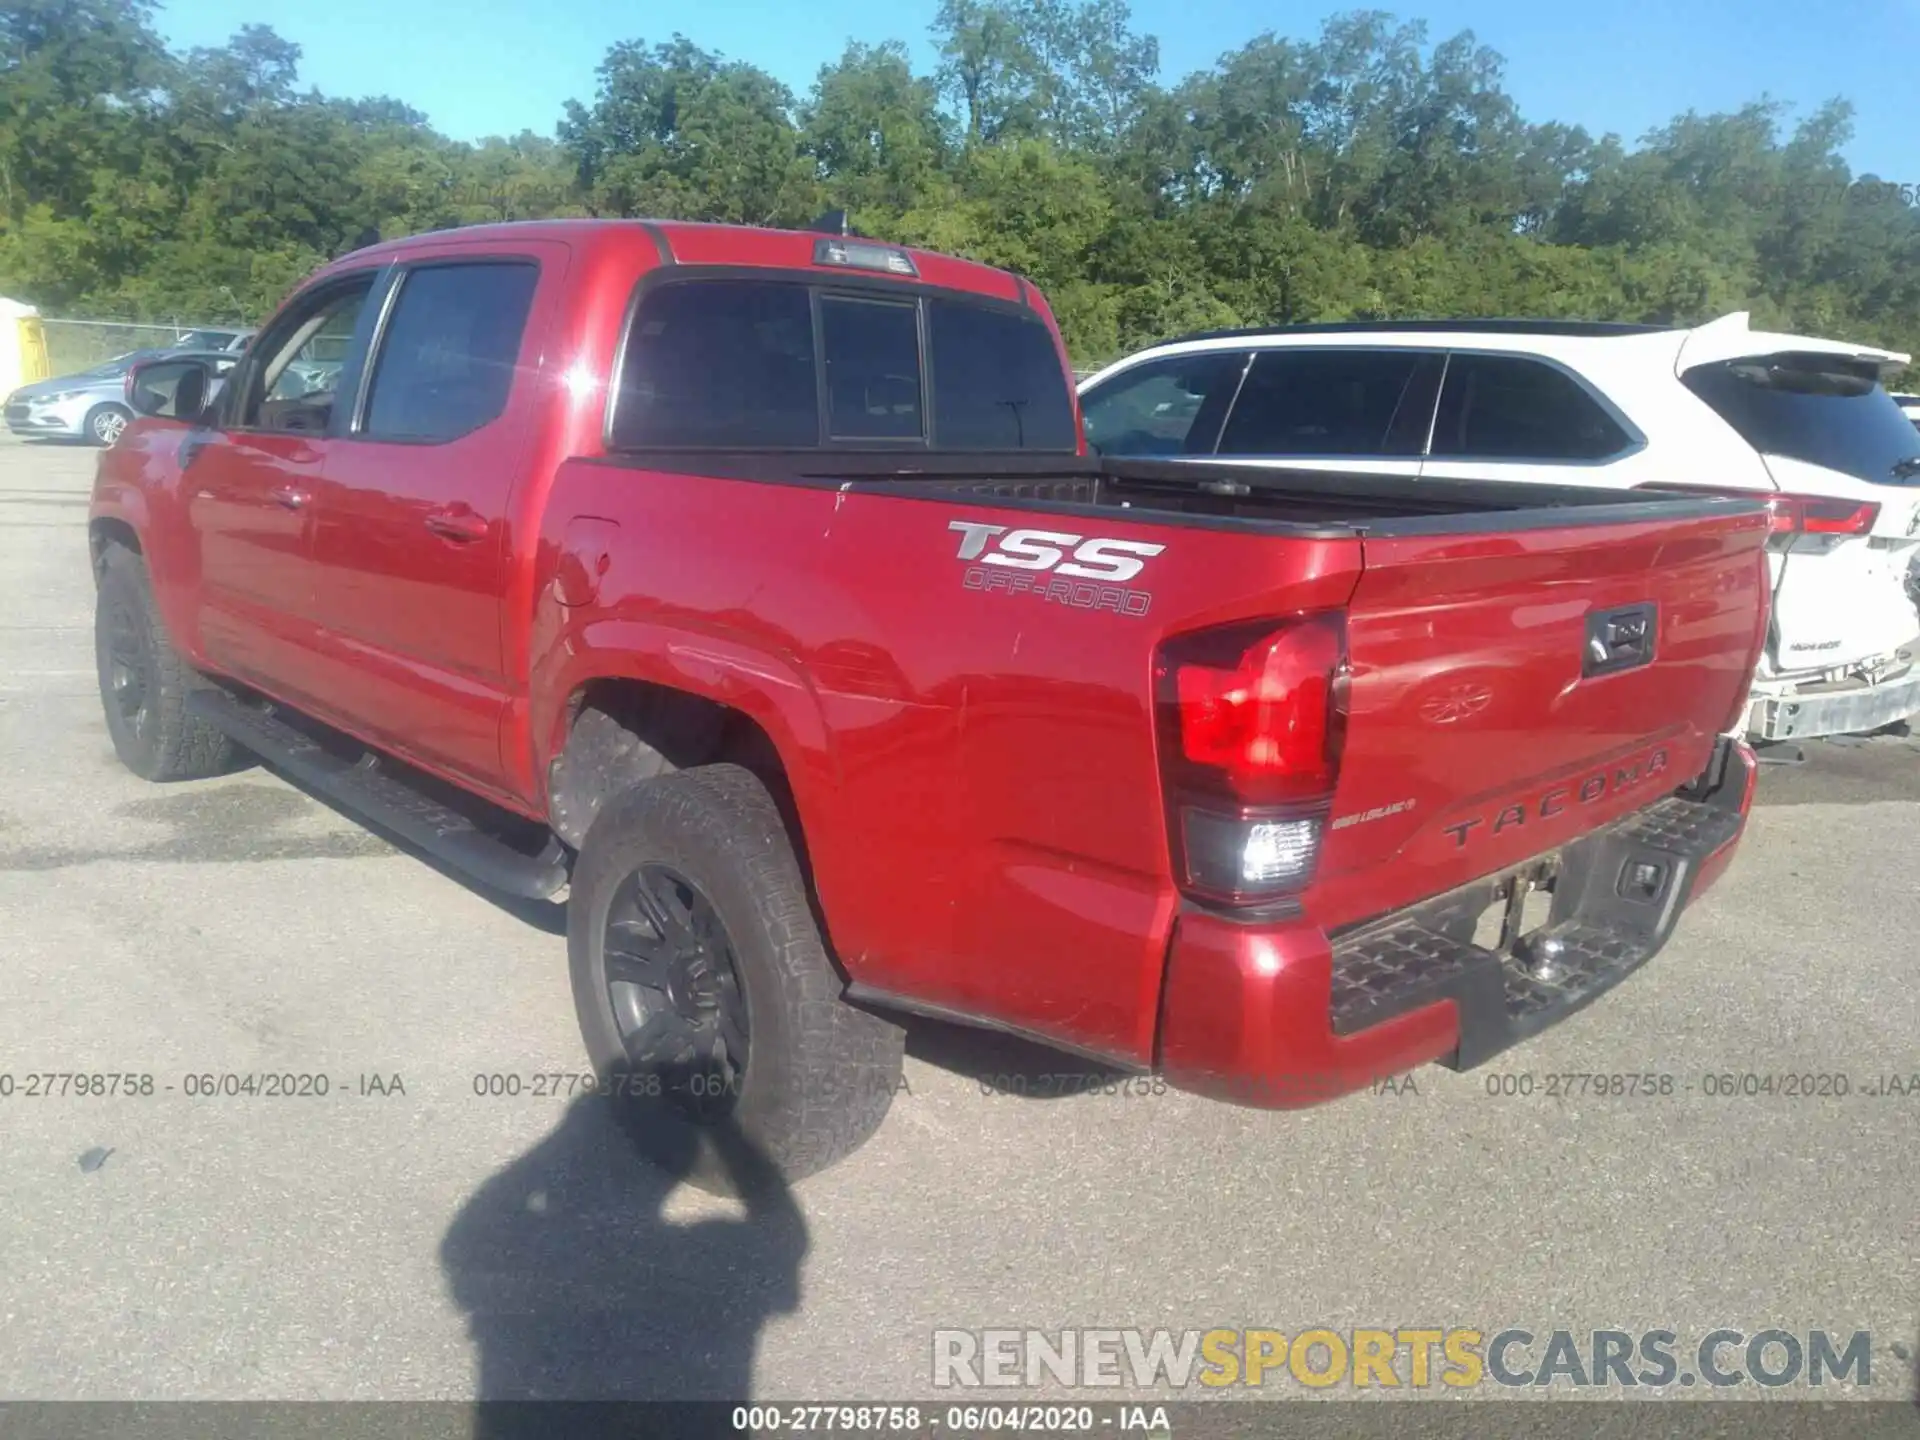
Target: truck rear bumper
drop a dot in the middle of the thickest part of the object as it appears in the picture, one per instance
(1282, 1016)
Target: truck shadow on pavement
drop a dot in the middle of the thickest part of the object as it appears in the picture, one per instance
(576, 1287)
(218, 824)
(546, 916)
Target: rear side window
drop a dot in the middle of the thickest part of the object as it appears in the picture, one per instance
(1315, 401)
(998, 381)
(1503, 407)
(1818, 412)
(1165, 407)
(449, 349)
(720, 364)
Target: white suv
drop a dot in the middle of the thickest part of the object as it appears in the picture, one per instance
(1718, 407)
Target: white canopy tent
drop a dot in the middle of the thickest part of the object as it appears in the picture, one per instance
(13, 359)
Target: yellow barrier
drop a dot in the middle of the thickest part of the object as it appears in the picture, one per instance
(33, 350)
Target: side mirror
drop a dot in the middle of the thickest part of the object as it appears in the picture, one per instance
(170, 389)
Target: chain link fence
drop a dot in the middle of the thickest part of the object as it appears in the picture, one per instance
(73, 345)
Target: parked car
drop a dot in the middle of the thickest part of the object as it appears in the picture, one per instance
(755, 587)
(1910, 407)
(1721, 407)
(91, 405)
(213, 339)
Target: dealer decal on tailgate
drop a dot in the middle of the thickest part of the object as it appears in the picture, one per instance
(1085, 573)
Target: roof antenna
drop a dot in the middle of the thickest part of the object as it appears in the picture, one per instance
(835, 222)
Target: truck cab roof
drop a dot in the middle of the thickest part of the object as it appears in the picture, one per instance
(689, 242)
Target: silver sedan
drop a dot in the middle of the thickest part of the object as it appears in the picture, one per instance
(91, 405)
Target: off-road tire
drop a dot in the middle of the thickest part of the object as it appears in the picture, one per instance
(820, 1073)
(168, 743)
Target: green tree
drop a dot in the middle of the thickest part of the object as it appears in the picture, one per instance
(1361, 171)
(681, 131)
(875, 133)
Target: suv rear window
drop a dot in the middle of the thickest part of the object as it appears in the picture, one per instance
(1817, 411)
(735, 364)
(1504, 407)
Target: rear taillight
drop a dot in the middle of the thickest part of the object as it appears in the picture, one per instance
(1814, 515)
(1251, 722)
(1800, 514)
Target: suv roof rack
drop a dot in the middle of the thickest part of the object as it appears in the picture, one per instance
(1477, 325)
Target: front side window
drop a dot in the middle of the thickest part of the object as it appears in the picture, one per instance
(293, 389)
(1165, 407)
(448, 351)
(721, 364)
(1314, 401)
(1505, 407)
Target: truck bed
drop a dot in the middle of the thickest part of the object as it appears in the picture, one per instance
(959, 653)
(1324, 504)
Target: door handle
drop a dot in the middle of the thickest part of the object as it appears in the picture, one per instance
(462, 525)
(291, 498)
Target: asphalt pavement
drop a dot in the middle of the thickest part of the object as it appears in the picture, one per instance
(404, 1236)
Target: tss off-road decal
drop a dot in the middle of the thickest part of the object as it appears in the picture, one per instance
(1086, 573)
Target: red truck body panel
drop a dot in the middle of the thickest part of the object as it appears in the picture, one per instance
(976, 770)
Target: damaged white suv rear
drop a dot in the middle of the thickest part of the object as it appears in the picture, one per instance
(1719, 407)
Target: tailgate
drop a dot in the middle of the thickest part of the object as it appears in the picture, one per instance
(1513, 690)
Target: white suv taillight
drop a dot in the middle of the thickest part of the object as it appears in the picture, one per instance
(1818, 515)
(1800, 514)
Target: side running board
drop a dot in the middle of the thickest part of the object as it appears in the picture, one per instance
(386, 800)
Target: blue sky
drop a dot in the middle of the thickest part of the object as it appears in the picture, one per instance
(479, 67)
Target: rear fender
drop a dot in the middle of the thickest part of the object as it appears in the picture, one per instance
(768, 689)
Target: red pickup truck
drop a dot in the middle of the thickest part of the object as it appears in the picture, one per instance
(758, 589)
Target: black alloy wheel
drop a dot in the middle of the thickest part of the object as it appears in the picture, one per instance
(710, 1008)
(145, 684)
(674, 984)
(132, 683)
